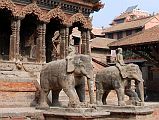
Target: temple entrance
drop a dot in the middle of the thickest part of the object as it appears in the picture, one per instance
(28, 38)
(53, 40)
(5, 32)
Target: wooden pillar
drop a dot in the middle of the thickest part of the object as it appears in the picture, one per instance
(88, 37)
(14, 39)
(41, 57)
(62, 42)
(66, 40)
(84, 43)
(43, 49)
(18, 38)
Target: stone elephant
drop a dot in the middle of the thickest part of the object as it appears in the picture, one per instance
(110, 79)
(67, 74)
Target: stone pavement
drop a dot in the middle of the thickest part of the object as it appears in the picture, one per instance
(25, 113)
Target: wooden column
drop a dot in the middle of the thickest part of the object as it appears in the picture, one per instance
(66, 40)
(41, 57)
(18, 38)
(84, 39)
(88, 37)
(43, 49)
(62, 42)
(14, 39)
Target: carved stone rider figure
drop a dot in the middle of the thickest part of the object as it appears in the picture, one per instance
(120, 62)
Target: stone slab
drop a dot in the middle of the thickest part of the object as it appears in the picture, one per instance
(74, 114)
(25, 113)
(137, 110)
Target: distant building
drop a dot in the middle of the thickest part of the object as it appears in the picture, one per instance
(97, 32)
(130, 14)
(100, 52)
(130, 22)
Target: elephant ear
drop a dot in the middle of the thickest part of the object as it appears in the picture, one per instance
(70, 64)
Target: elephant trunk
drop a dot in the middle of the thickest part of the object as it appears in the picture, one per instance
(141, 91)
(90, 83)
(88, 73)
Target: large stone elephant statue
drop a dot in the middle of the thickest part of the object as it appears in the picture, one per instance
(67, 74)
(110, 78)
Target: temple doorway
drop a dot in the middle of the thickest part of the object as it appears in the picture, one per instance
(53, 40)
(28, 37)
(5, 32)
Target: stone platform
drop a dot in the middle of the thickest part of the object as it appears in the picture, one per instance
(18, 87)
(74, 114)
(127, 112)
(98, 113)
(25, 113)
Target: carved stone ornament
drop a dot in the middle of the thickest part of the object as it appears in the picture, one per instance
(32, 67)
(7, 66)
(9, 5)
(56, 13)
(79, 17)
(32, 8)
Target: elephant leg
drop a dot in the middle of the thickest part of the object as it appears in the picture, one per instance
(99, 93)
(140, 89)
(43, 99)
(105, 97)
(120, 95)
(80, 89)
(55, 97)
(73, 98)
(68, 86)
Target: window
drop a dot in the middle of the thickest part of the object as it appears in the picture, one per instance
(110, 35)
(138, 30)
(119, 35)
(129, 32)
(119, 21)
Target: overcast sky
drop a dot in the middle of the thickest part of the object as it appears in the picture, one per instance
(113, 8)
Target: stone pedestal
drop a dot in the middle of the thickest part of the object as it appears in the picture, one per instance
(127, 112)
(74, 114)
(17, 87)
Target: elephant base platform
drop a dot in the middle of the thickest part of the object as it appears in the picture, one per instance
(98, 113)
(75, 114)
(127, 112)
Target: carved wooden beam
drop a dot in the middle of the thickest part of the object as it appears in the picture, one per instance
(148, 57)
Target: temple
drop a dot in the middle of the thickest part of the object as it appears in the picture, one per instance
(28, 28)
(34, 32)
